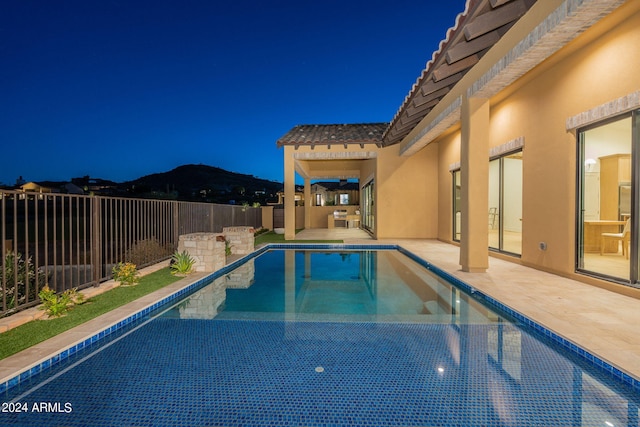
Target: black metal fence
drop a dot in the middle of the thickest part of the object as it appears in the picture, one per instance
(68, 241)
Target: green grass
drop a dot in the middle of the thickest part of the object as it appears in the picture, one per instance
(37, 331)
(272, 237)
(32, 333)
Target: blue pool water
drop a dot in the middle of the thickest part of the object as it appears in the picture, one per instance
(272, 343)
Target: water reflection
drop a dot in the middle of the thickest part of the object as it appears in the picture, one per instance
(385, 285)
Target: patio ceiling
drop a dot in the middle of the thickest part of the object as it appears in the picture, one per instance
(477, 29)
(328, 168)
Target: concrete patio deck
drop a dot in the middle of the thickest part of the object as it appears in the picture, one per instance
(602, 322)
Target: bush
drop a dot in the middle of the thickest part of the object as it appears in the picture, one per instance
(147, 251)
(126, 273)
(58, 304)
(20, 276)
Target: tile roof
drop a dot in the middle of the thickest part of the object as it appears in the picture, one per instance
(476, 30)
(340, 134)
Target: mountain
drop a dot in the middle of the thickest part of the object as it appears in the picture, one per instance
(204, 183)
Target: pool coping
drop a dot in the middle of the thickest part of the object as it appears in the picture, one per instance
(51, 360)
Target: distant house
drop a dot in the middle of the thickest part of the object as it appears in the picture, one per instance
(41, 187)
(298, 196)
(71, 188)
(329, 193)
(95, 185)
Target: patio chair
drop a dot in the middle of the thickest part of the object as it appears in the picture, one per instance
(623, 237)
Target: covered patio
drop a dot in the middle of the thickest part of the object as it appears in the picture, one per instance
(329, 152)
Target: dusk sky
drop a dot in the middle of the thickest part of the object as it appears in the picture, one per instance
(119, 89)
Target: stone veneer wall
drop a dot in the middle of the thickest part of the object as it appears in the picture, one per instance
(241, 239)
(207, 249)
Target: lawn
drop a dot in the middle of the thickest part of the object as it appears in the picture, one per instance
(32, 333)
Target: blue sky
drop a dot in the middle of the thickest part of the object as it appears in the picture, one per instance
(123, 88)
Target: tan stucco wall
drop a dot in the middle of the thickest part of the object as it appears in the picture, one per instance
(597, 68)
(407, 192)
(448, 154)
(267, 217)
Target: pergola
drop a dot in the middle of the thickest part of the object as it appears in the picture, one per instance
(333, 151)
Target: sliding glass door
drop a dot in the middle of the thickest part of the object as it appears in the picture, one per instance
(505, 203)
(367, 205)
(607, 181)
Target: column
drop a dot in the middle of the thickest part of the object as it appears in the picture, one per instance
(307, 203)
(474, 174)
(289, 194)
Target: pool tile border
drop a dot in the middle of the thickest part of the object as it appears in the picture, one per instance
(584, 355)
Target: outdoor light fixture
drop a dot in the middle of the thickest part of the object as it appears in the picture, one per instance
(589, 164)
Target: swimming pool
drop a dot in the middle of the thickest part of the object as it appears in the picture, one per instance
(262, 344)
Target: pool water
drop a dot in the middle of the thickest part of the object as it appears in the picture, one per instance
(374, 285)
(265, 344)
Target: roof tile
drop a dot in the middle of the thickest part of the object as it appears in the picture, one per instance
(361, 133)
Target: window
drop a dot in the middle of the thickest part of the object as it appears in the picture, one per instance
(344, 199)
(607, 242)
(318, 199)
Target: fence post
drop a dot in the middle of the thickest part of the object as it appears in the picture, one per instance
(176, 224)
(212, 222)
(96, 240)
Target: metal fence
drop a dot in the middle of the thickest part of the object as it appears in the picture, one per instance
(68, 241)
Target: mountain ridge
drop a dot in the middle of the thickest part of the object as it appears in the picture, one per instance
(204, 182)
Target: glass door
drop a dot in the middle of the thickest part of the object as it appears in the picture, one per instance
(456, 205)
(368, 206)
(505, 203)
(607, 238)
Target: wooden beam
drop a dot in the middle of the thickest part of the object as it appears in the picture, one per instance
(445, 70)
(496, 3)
(411, 121)
(432, 86)
(468, 48)
(437, 95)
(495, 19)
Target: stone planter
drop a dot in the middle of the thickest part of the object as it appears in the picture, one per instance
(207, 249)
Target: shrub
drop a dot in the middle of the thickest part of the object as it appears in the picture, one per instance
(58, 304)
(181, 263)
(126, 273)
(20, 277)
(147, 251)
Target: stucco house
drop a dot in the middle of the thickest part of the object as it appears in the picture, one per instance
(521, 136)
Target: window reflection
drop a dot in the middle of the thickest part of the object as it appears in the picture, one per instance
(504, 346)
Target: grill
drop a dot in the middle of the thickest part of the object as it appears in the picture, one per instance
(340, 215)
